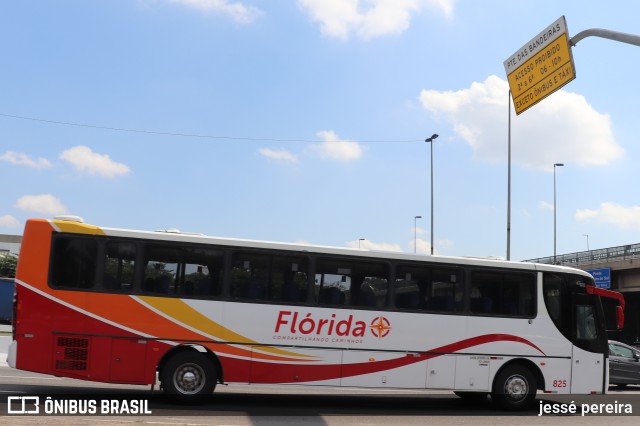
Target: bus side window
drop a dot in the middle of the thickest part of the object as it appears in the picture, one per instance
(161, 269)
(445, 291)
(441, 303)
(478, 303)
(249, 276)
(407, 294)
(553, 290)
(333, 282)
(211, 285)
(518, 295)
(288, 279)
(370, 284)
(73, 263)
(332, 296)
(485, 285)
(425, 288)
(119, 266)
(502, 293)
(342, 282)
(200, 272)
(411, 287)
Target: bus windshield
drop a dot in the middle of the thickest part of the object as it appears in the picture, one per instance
(576, 311)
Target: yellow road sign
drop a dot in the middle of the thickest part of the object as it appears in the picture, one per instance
(540, 67)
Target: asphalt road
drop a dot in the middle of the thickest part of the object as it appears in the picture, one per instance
(299, 405)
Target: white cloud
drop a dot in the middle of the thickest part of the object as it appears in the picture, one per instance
(444, 244)
(420, 246)
(8, 221)
(337, 149)
(22, 159)
(562, 126)
(368, 18)
(545, 205)
(45, 204)
(424, 246)
(610, 213)
(85, 160)
(236, 10)
(370, 245)
(279, 155)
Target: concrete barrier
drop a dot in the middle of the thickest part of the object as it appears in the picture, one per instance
(5, 341)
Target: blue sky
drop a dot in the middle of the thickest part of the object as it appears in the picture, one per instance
(305, 120)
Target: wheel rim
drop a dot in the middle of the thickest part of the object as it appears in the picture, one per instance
(516, 388)
(189, 378)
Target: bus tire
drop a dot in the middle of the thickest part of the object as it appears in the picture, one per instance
(514, 388)
(188, 376)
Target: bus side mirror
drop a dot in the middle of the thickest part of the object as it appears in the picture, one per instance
(619, 317)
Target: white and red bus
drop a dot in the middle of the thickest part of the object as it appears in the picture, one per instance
(123, 306)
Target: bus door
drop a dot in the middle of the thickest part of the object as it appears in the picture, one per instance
(573, 303)
(589, 363)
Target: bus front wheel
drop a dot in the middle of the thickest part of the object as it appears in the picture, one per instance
(188, 375)
(514, 388)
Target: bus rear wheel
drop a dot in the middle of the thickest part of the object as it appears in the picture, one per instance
(188, 376)
(514, 388)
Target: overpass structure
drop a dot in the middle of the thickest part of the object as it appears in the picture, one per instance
(623, 265)
(10, 243)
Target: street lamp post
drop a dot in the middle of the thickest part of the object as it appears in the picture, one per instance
(509, 179)
(361, 239)
(587, 235)
(415, 233)
(554, 209)
(430, 140)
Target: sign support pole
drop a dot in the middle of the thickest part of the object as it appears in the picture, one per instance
(509, 181)
(611, 35)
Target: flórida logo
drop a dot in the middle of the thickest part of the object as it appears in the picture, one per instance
(293, 322)
(380, 327)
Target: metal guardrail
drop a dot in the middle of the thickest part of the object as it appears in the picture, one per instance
(610, 254)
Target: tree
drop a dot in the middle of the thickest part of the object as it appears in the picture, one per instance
(8, 263)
